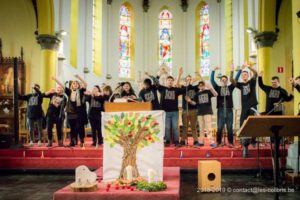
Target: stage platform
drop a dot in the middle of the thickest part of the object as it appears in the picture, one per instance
(184, 157)
(171, 178)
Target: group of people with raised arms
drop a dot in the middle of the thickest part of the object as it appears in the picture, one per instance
(162, 91)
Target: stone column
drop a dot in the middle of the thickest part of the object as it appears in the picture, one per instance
(49, 46)
(265, 39)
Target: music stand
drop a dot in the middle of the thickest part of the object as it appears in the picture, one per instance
(267, 126)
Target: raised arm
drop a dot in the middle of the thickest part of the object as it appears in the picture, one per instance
(58, 82)
(198, 77)
(260, 82)
(232, 80)
(179, 77)
(81, 80)
(285, 95)
(237, 76)
(23, 97)
(211, 89)
(154, 79)
(212, 77)
(253, 70)
(49, 92)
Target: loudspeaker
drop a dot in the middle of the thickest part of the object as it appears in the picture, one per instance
(5, 141)
(209, 176)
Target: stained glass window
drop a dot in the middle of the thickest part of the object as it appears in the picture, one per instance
(125, 42)
(165, 38)
(204, 40)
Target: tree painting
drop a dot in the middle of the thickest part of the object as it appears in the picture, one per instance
(132, 131)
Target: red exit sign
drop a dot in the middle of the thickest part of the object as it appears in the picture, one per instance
(280, 69)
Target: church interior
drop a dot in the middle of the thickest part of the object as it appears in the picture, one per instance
(117, 88)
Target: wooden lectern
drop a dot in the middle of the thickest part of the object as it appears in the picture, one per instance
(276, 126)
(131, 106)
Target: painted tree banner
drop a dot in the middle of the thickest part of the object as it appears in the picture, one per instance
(133, 139)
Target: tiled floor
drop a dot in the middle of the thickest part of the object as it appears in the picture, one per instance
(41, 186)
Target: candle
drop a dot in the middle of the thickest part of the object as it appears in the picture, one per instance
(151, 173)
(128, 173)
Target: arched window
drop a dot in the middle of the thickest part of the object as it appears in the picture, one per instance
(165, 38)
(125, 41)
(202, 38)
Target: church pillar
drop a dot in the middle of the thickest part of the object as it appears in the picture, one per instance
(49, 45)
(97, 68)
(265, 39)
(228, 36)
(48, 41)
(246, 35)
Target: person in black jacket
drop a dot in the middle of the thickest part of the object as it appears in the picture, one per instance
(169, 102)
(224, 106)
(202, 100)
(248, 99)
(149, 94)
(76, 109)
(34, 112)
(96, 103)
(275, 95)
(189, 111)
(55, 113)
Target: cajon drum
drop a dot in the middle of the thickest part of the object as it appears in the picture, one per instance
(209, 176)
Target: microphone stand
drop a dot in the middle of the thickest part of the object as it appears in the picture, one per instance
(275, 106)
(258, 175)
(271, 111)
(187, 112)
